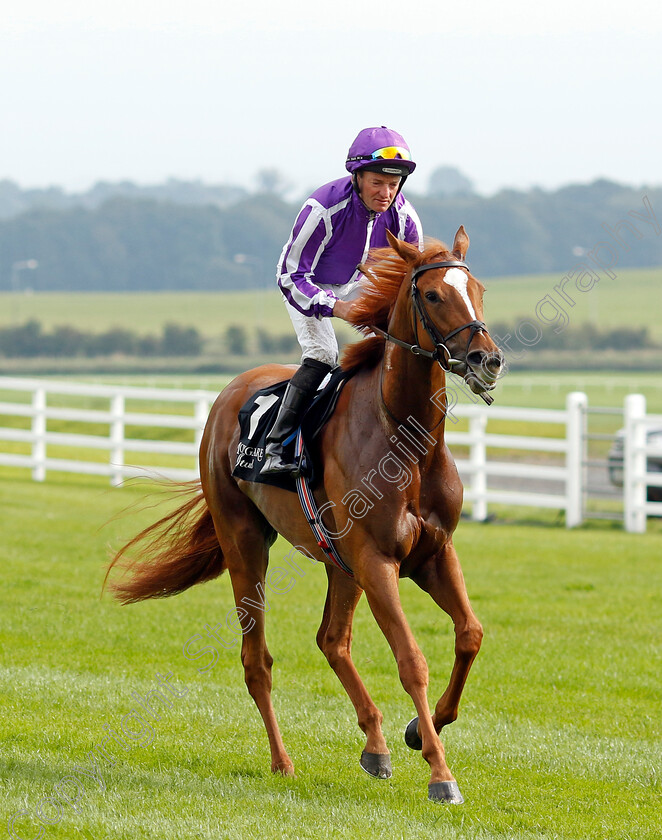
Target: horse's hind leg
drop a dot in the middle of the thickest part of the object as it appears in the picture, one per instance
(334, 639)
(247, 573)
(245, 537)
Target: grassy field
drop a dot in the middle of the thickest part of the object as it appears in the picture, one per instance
(633, 297)
(558, 736)
(623, 300)
(148, 312)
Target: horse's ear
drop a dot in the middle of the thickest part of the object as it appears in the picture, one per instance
(405, 250)
(460, 243)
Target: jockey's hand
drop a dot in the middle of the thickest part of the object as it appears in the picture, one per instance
(341, 309)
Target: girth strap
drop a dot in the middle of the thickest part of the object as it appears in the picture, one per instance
(311, 512)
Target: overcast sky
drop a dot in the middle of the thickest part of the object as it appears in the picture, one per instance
(513, 93)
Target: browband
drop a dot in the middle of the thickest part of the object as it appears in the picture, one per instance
(445, 264)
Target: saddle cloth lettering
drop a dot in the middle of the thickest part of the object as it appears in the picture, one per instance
(257, 416)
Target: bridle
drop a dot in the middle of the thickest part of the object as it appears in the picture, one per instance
(441, 354)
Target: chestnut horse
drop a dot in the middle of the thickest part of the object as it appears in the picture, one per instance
(389, 489)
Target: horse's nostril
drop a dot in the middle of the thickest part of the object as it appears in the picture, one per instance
(476, 358)
(489, 362)
(495, 360)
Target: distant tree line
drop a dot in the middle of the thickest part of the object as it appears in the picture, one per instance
(29, 340)
(144, 245)
(238, 342)
(14, 200)
(181, 237)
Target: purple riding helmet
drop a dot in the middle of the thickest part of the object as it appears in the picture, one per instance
(380, 149)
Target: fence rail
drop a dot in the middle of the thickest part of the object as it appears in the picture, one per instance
(30, 408)
(636, 475)
(115, 417)
(478, 468)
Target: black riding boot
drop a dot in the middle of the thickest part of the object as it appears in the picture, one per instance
(298, 396)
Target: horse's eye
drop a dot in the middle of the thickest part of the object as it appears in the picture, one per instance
(433, 297)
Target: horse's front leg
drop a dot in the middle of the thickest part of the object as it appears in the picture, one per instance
(335, 641)
(442, 578)
(379, 578)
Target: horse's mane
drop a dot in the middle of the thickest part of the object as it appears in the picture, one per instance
(384, 271)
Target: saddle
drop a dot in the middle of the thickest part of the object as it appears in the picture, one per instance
(257, 416)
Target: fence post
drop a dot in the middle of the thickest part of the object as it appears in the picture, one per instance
(201, 413)
(116, 439)
(634, 464)
(478, 461)
(576, 404)
(39, 434)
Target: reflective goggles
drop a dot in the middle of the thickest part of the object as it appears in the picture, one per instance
(387, 153)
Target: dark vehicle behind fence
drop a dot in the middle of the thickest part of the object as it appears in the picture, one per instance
(654, 461)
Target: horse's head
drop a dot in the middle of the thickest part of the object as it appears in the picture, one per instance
(446, 305)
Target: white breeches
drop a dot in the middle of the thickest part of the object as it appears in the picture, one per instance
(317, 337)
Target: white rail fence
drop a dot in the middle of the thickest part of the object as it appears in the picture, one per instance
(567, 445)
(29, 408)
(638, 450)
(114, 416)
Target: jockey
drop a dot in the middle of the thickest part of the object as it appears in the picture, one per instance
(318, 269)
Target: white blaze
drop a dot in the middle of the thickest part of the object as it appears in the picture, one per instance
(457, 278)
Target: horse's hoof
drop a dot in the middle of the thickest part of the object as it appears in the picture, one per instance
(283, 769)
(412, 738)
(377, 765)
(447, 792)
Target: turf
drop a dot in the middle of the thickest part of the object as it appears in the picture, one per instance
(558, 736)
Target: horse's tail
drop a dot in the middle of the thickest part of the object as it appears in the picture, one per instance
(178, 551)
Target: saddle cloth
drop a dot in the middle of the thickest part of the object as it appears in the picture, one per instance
(257, 416)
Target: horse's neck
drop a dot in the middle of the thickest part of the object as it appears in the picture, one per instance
(414, 387)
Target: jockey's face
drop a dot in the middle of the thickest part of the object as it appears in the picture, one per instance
(377, 190)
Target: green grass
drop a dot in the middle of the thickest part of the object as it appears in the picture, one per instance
(144, 312)
(633, 298)
(558, 736)
(626, 300)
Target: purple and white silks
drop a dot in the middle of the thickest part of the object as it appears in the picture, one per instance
(332, 234)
